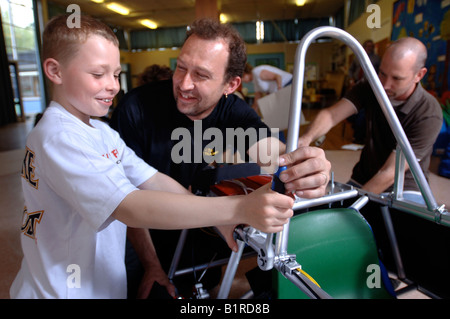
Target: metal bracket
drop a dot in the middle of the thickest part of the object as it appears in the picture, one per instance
(261, 243)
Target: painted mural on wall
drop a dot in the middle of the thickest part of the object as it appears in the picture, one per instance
(428, 21)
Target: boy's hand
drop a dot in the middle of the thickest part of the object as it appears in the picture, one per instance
(307, 171)
(267, 210)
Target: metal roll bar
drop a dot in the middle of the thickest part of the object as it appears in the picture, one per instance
(432, 210)
(278, 257)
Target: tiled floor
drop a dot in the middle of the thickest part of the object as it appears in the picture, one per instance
(11, 200)
(11, 153)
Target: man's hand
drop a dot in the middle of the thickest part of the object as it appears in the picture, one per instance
(145, 250)
(307, 171)
(227, 233)
(152, 275)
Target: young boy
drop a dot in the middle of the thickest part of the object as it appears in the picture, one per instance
(83, 186)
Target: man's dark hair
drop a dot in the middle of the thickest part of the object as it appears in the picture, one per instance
(209, 29)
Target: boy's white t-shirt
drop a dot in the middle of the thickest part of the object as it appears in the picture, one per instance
(73, 178)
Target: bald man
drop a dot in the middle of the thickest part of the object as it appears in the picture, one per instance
(401, 69)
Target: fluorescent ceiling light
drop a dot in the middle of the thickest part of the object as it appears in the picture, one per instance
(259, 31)
(118, 8)
(223, 18)
(148, 23)
(300, 3)
(98, 1)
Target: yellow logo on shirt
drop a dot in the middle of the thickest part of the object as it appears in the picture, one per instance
(28, 168)
(30, 219)
(210, 151)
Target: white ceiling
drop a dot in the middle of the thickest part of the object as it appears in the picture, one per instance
(169, 13)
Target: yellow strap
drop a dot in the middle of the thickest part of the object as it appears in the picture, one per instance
(307, 275)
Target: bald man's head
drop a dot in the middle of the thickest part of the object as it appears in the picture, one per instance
(409, 46)
(402, 67)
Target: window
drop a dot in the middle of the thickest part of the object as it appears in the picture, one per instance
(20, 40)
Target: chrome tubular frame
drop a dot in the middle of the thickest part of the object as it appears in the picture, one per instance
(276, 256)
(431, 211)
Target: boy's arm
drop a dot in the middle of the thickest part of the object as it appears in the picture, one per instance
(162, 182)
(263, 209)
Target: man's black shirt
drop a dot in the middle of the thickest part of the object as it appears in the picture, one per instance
(147, 117)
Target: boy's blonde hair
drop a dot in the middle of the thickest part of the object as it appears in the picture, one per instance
(61, 42)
